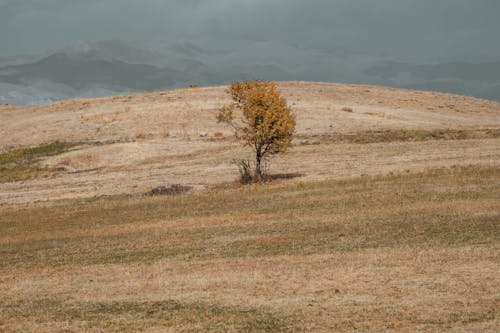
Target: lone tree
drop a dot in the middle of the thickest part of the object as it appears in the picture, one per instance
(266, 122)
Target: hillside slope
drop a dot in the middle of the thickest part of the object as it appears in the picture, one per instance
(154, 139)
(383, 217)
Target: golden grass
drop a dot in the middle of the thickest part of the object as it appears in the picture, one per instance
(316, 105)
(412, 252)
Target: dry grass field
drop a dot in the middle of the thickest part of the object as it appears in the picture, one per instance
(384, 217)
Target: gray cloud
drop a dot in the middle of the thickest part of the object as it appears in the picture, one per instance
(408, 29)
(443, 45)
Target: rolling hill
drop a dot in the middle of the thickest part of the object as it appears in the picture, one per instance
(383, 217)
(154, 128)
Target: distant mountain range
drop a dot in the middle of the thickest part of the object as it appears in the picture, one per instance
(474, 79)
(114, 67)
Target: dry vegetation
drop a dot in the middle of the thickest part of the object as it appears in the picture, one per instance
(24, 163)
(414, 252)
(169, 137)
(383, 219)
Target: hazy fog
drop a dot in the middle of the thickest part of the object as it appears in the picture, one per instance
(213, 41)
(414, 30)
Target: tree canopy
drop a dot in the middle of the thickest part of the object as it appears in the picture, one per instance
(265, 121)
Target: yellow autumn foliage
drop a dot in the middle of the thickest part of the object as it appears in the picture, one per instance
(260, 118)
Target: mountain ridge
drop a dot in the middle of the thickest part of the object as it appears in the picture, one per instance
(115, 67)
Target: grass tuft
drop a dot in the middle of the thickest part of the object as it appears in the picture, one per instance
(23, 163)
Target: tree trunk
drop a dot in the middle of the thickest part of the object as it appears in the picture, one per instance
(258, 170)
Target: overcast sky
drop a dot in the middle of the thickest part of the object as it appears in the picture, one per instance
(419, 30)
